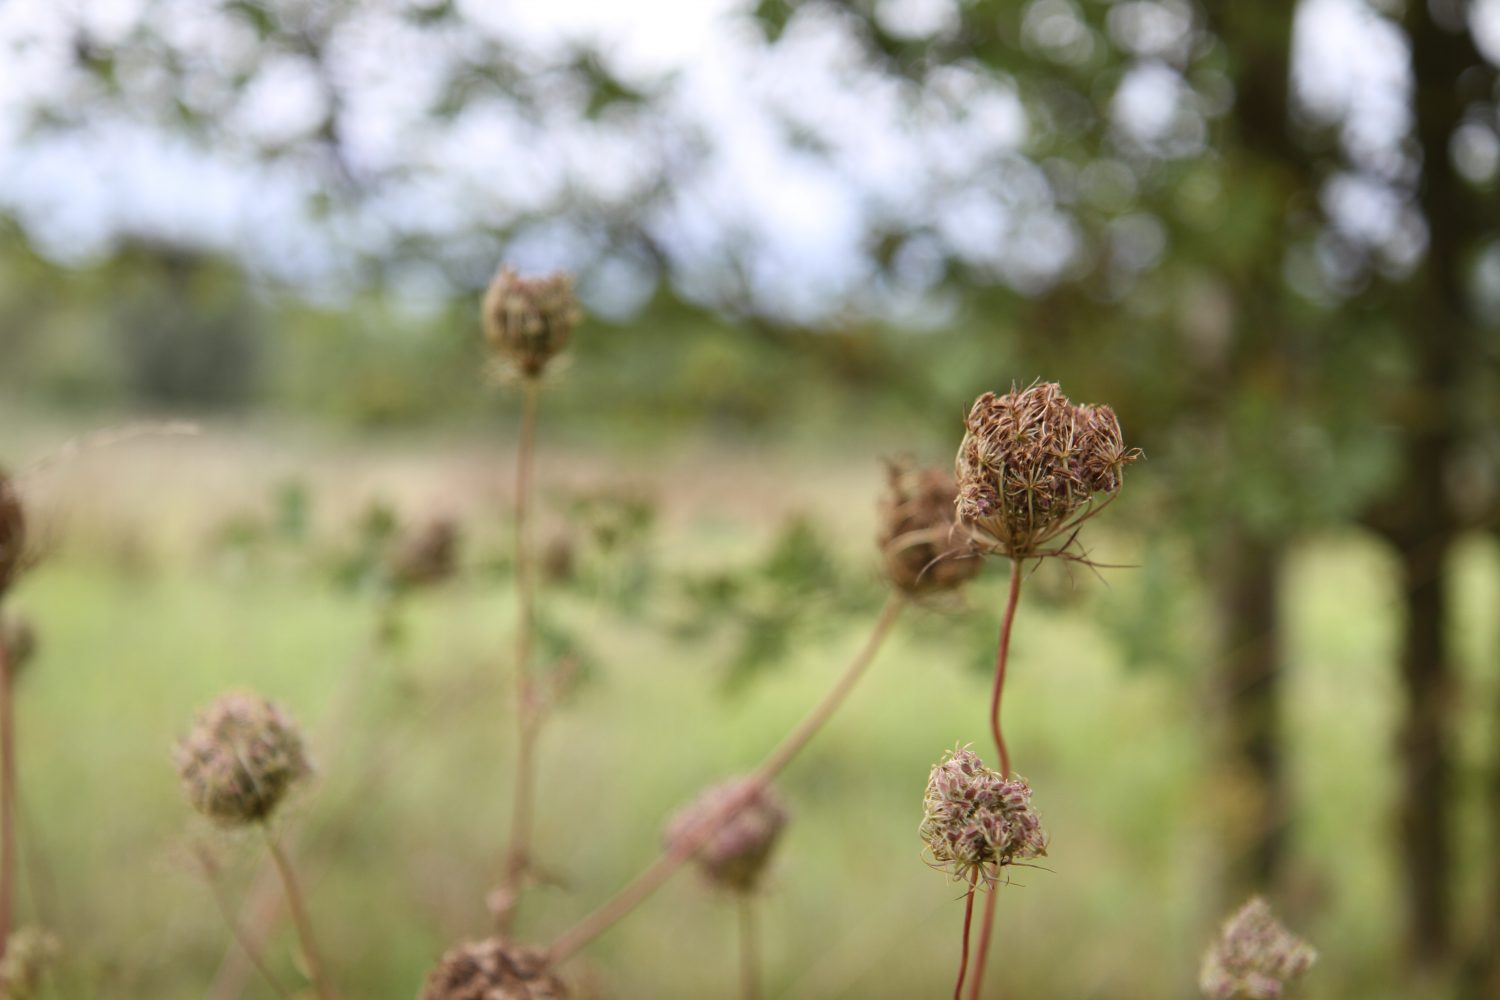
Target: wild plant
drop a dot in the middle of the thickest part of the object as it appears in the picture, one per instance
(1254, 957)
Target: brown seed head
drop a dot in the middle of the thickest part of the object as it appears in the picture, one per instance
(924, 554)
(12, 533)
(426, 557)
(1254, 957)
(30, 956)
(527, 320)
(493, 970)
(240, 759)
(743, 817)
(976, 821)
(1032, 465)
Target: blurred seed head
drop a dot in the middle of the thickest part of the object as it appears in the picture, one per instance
(1032, 465)
(426, 557)
(19, 639)
(924, 554)
(1254, 957)
(527, 321)
(976, 821)
(240, 759)
(12, 533)
(746, 817)
(30, 956)
(493, 970)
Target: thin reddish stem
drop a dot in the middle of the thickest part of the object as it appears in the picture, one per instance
(1001, 655)
(749, 950)
(985, 933)
(7, 797)
(963, 958)
(298, 907)
(684, 847)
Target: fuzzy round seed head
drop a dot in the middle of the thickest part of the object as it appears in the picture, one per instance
(527, 320)
(30, 956)
(493, 970)
(12, 533)
(19, 640)
(975, 820)
(240, 759)
(1031, 464)
(737, 823)
(1254, 957)
(924, 554)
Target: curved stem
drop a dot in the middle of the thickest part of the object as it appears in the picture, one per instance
(518, 852)
(7, 796)
(236, 929)
(300, 919)
(963, 958)
(1002, 653)
(985, 933)
(677, 854)
(749, 949)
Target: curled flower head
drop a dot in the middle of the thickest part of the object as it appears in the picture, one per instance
(975, 820)
(493, 970)
(12, 533)
(737, 824)
(924, 555)
(240, 759)
(1254, 957)
(527, 320)
(1032, 467)
(30, 956)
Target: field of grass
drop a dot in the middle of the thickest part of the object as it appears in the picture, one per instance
(143, 618)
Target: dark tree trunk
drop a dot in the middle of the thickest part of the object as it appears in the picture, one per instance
(1247, 587)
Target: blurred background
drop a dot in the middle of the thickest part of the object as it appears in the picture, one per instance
(806, 236)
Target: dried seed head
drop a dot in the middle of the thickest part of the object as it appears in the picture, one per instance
(493, 970)
(30, 956)
(1254, 957)
(923, 552)
(745, 816)
(12, 533)
(1032, 465)
(975, 821)
(240, 759)
(426, 557)
(527, 320)
(19, 640)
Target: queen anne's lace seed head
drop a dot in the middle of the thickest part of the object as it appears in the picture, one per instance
(1031, 464)
(12, 533)
(240, 759)
(975, 821)
(493, 970)
(924, 554)
(527, 321)
(1254, 957)
(737, 823)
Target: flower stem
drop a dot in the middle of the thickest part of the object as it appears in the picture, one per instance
(7, 796)
(1002, 653)
(295, 903)
(749, 949)
(684, 847)
(523, 801)
(236, 929)
(963, 958)
(985, 933)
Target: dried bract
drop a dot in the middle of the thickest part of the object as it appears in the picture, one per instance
(924, 554)
(975, 821)
(1032, 467)
(737, 824)
(1254, 957)
(12, 533)
(240, 759)
(527, 320)
(493, 970)
(30, 956)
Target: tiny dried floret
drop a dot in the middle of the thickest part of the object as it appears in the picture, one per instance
(30, 956)
(1254, 957)
(737, 824)
(924, 554)
(12, 533)
(1032, 467)
(241, 758)
(493, 970)
(975, 820)
(527, 321)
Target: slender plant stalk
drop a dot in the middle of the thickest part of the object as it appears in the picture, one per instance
(236, 929)
(681, 850)
(303, 924)
(7, 798)
(749, 949)
(963, 958)
(1001, 655)
(523, 803)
